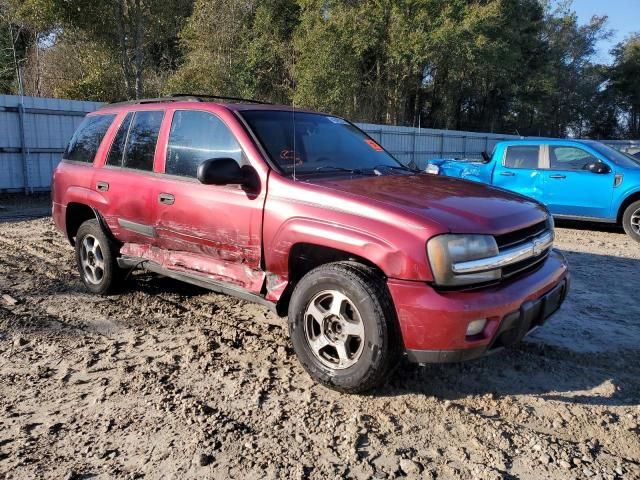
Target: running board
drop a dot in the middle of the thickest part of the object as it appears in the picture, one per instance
(198, 280)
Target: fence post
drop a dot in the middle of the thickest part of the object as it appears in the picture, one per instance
(413, 152)
(23, 149)
(464, 146)
(441, 145)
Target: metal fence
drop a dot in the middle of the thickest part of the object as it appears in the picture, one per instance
(416, 145)
(34, 133)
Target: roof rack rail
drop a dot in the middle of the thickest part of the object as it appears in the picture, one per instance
(220, 97)
(184, 97)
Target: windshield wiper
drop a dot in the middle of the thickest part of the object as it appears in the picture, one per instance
(352, 171)
(397, 167)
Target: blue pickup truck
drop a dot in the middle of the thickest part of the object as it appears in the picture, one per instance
(575, 179)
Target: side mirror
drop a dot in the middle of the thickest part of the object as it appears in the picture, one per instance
(485, 157)
(220, 171)
(597, 167)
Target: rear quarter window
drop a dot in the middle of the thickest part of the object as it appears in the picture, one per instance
(522, 156)
(87, 138)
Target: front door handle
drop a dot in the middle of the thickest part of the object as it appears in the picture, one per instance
(507, 174)
(102, 186)
(557, 176)
(166, 199)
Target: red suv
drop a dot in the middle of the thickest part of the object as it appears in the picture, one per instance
(304, 213)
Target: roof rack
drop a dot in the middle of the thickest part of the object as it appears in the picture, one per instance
(199, 97)
(185, 97)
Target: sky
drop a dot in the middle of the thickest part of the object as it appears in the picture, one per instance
(624, 19)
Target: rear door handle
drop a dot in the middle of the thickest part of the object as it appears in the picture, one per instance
(166, 198)
(557, 176)
(102, 186)
(507, 174)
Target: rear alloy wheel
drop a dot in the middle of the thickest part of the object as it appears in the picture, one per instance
(631, 221)
(342, 326)
(96, 257)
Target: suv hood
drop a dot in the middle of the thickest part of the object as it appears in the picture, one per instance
(459, 206)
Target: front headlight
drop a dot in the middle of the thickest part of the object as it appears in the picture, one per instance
(551, 225)
(445, 250)
(432, 169)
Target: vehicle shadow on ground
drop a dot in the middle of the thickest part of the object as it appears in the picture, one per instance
(587, 352)
(592, 226)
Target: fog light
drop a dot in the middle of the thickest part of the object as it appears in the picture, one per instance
(476, 327)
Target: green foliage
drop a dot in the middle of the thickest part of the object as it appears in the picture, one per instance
(488, 65)
(625, 79)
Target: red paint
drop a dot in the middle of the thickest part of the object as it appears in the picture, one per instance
(227, 234)
(432, 320)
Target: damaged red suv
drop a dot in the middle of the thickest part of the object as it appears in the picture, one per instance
(304, 213)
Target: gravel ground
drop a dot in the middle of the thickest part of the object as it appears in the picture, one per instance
(168, 380)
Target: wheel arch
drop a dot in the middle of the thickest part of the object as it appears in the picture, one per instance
(634, 197)
(305, 256)
(76, 214)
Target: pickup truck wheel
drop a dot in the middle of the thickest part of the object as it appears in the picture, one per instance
(342, 326)
(96, 259)
(631, 221)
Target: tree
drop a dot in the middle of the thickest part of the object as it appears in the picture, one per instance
(246, 51)
(134, 30)
(24, 25)
(625, 79)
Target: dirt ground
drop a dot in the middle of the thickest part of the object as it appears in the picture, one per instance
(170, 381)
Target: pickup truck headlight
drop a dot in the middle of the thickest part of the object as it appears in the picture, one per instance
(445, 250)
(432, 169)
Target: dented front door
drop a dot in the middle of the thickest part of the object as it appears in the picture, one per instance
(209, 230)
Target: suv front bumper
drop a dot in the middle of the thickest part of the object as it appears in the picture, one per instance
(434, 323)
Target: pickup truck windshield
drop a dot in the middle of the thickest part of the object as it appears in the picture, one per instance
(614, 155)
(307, 143)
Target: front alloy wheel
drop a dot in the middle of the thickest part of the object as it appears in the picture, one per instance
(343, 327)
(631, 221)
(334, 329)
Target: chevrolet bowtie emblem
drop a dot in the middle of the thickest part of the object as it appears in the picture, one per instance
(537, 246)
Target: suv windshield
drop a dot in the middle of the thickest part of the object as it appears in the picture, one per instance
(304, 143)
(614, 155)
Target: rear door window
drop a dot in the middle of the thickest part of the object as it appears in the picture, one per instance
(117, 147)
(141, 141)
(522, 156)
(195, 137)
(87, 138)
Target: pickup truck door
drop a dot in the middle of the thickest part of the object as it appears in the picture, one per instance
(570, 189)
(213, 231)
(517, 168)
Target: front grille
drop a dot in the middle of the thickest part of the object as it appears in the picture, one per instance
(513, 239)
(524, 265)
(519, 237)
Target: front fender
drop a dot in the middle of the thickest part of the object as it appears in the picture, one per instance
(467, 170)
(393, 260)
(621, 197)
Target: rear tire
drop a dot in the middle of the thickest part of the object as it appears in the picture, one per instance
(343, 326)
(96, 258)
(631, 221)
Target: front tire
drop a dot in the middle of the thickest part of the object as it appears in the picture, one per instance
(631, 221)
(343, 327)
(96, 258)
